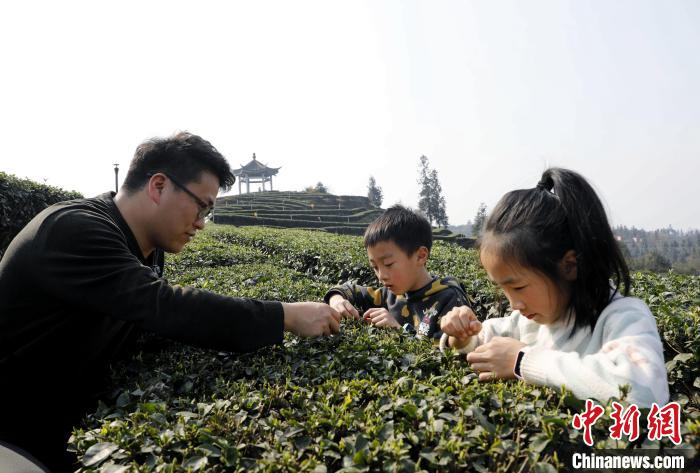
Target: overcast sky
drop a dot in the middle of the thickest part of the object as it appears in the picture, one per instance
(336, 91)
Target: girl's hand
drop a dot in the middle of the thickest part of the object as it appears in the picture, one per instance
(495, 359)
(343, 307)
(460, 324)
(380, 317)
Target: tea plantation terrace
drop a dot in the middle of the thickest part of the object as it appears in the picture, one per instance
(343, 214)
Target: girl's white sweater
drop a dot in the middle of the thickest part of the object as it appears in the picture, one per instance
(624, 349)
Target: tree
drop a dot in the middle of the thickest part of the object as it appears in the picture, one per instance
(431, 202)
(655, 262)
(424, 183)
(479, 220)
(437, 201)
(624, 249)
(374, 192)
(319, 187)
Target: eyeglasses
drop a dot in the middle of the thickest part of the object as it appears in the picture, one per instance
(205, 210)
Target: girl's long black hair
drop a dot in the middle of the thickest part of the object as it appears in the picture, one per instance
(536, 227)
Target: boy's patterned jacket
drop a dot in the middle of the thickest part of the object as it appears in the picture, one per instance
(420, 309)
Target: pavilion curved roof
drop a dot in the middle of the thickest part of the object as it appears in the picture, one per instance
(255, 168)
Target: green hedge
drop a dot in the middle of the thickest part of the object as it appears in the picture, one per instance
(264, 209)
(241, 220)
(365, 400)
(292, 216)
(21, 200)
(304, 199)
(346, 230)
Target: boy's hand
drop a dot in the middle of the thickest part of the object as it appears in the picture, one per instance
(495, 359)
(343, 307)
(310, 319)
(460, 324)
(380, 317)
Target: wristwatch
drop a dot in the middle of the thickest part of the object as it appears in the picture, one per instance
(516, 368)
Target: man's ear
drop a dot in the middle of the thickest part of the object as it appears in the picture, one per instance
(569, 266)
(155, 186)
(423, 253)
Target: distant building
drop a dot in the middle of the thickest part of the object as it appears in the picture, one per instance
(254, 172)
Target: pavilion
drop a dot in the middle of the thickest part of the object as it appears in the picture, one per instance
(254, 172)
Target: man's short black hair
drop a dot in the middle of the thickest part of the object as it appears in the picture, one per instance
(182, 155)
(406, 228)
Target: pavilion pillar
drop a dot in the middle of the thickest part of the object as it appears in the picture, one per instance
(247, 185)
(270, 182)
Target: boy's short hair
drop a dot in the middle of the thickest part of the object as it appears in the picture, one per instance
(406, 228)
(183, 155)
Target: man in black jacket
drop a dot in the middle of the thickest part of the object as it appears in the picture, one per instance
(82, 279)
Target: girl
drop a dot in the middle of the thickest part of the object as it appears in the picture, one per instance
(553, 253)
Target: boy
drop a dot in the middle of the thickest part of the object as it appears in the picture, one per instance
(398, 245)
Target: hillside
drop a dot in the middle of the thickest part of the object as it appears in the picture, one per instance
(662, 249)
(342, 214)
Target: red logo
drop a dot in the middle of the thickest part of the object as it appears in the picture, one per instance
(586, 420)
(661, 421)
(665, 422)
(626, 422)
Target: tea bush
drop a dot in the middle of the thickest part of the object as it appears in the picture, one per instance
(367, 399)
(21, 200)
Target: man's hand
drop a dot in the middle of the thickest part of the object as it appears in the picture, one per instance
(495, 359)
(310, 319)
(460, 324)
(343, 307)
(380, 317)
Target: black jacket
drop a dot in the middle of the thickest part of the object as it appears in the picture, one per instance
(420, 309)
(75, 288)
